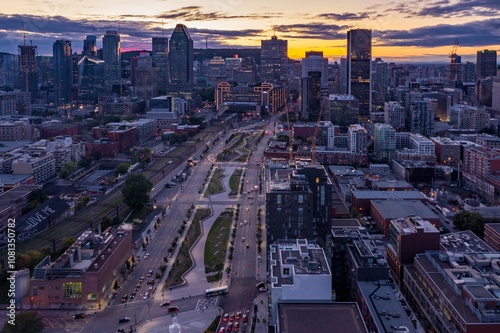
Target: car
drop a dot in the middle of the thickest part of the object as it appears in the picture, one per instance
(146, 256)
(150, 273)
(251, 202)
(141, 280)
(236, 326)
(124, 298)
(165, 303)
(150, 288)
(248, 246)
(244, 318)
(173, 309)
(245, 222)
(241, 224)
(222, 330)
(263, 289)
(124, 320)
(79, 316)
(137, 287)
(231, 317)
(260, 284)
(247, 209)
(229, 327)
(146, 295)
(243, 239)
(238, 314)
(226, 317)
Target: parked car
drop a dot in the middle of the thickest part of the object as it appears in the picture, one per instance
(124, 320)
(79, 316)
(173, 309)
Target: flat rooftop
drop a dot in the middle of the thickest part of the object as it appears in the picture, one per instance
(463, 241)
(393, 209)
(315, 317)
(384, 306)
(385, 195)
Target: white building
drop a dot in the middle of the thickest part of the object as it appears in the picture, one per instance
(422, 145)
(299, 273)
(394, 114)
(41, 165)
(357, 139)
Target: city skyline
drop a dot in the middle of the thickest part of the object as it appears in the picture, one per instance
(430, 27)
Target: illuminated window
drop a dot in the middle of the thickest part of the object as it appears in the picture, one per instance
(72, 290)
(91, 297)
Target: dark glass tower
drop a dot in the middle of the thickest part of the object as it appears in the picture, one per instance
(273, 58)
(160, 59)
(28, 73)
(112, 57)
(180, 62)
(486, 64)
(359, 58)
(90, 46)
(63, 72)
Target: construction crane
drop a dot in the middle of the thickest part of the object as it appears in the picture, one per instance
(453, 54)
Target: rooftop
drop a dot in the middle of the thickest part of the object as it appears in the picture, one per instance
(413, 225)
(315, 317)
(392, 209)
(463, 241)
(385, 308)
(387, 195)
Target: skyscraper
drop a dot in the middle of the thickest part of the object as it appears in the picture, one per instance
(28, 73)
(90, 46)
(160, 59)
(63, 72)
(314, 61)
(273, 58)
(359, 57)
(112, 57)
(486, 64)
(180, 62)
(311, 96)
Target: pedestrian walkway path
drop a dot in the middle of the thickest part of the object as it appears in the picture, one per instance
(195, 279)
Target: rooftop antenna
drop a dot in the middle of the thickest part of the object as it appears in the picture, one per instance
(22, 23)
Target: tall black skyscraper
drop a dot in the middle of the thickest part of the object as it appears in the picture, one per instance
(273, 58)
(311, 95)
(63, 72)
(486, 64)
(111, 55)
(90, 46)
(160, 60)
(180, 62)
(359, 58)
(28, 73)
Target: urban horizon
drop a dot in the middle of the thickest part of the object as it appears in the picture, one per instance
(431, 27)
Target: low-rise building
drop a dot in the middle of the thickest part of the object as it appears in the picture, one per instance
(299, 272)
(83, 276)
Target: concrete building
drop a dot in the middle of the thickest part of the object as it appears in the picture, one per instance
(454, 291)
(394, 114)
(273, 59)
(357, 139)
(82, 277)
(299, 272)
(414, 171)
(42, 165)
(384, 141)
(12, 203)
(18, 131)
(361, 199)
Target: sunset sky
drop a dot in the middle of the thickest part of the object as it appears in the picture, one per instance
(403, 30)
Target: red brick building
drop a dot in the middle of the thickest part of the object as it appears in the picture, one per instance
(83, 277)
(492, 235)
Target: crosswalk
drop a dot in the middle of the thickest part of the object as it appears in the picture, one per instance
(205, 303)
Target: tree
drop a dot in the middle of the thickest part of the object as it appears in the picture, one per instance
(82, 202)
(142, 156)
(35, 199)
(122, 168)
(469, 221)
(26, 322)
(135, 192)
(68, 241)
(85, 162)
(67, 169)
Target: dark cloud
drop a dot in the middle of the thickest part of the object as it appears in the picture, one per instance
(477, 33)
(194, 13)
(311, 31)
(448, 9)
(345, 16)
